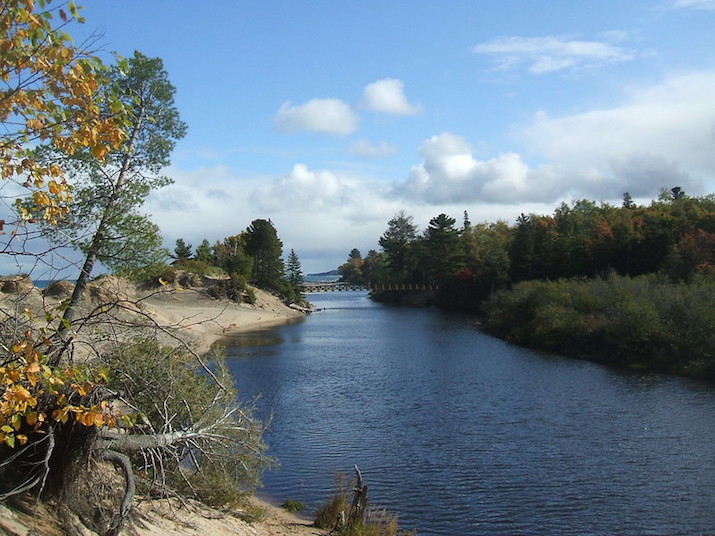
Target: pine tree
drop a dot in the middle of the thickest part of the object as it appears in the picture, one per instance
(294, 273)
(182, 251)
(262, 243)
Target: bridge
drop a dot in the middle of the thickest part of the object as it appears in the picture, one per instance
(339, 286)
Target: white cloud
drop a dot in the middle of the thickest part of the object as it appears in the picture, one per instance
(327, 116)
(449, 173)
(368, 149)
(311, 190)
(550, 54)
(387, 96)
(694, 4)
(661, 135)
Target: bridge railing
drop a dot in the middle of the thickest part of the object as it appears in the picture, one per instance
(379, 287)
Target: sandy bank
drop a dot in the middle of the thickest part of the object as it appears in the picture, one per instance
(204, 320)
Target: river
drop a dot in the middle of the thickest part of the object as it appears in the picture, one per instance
(463, 434)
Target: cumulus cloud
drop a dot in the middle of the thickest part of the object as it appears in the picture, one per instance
(660, 135)
(550, 54)
(694, 4)
(387, 96)
(319, 213)
(311, 190)
(449, 173)
(368, 149)
(327, 116)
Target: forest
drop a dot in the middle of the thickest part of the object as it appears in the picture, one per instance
(629, 285)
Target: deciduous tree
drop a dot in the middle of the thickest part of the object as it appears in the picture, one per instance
(49, 93)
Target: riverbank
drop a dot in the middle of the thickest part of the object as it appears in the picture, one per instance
(185, 314)
(162, 517)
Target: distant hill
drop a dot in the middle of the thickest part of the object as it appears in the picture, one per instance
(322, 274)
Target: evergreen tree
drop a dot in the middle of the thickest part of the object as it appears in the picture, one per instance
(204, 253)
(294, 273)
(262, 243)
(401, 231)
(182, 251)
(444, 255)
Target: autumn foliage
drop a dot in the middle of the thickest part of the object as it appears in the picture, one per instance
(48, 94)
(35, 394)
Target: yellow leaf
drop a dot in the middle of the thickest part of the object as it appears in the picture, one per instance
(21, 393)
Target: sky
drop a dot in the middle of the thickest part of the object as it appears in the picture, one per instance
(330, 117)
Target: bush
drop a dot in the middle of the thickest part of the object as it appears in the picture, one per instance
(250, 296)
(328, 515)
(200, 268)
(293, 506)
(234, 288)
(643, 322)
(168, 275)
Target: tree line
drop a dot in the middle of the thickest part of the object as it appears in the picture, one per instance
(667, 245)
(254, 255)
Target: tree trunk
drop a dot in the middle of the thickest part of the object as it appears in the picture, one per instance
(97, 240)
(137, 442)
(359, 505)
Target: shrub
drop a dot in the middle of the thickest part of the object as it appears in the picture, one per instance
(169, 275)
(644, 322)
(328, 515)
(293, 506)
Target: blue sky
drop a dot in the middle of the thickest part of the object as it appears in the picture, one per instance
(329, 117)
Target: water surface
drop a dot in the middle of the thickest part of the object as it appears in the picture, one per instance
(464, 434)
